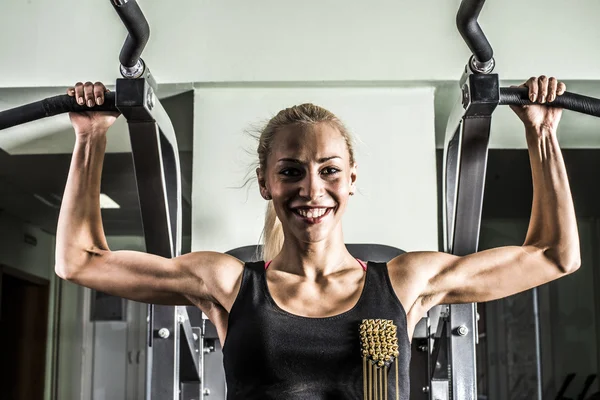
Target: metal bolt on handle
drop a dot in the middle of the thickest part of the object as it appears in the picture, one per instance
(133, 72)
(209, 349)
(164, 333)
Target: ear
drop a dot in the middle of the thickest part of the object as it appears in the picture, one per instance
(262, 184)
(353, 171)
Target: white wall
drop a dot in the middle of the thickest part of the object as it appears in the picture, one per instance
(396, 199)
(50, 43)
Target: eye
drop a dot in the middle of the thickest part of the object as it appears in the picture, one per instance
(330, 170)
(290, 172)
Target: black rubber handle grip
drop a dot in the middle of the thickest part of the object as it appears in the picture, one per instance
(466, 22)
(139, 32)
(568, 101)
(49, 107)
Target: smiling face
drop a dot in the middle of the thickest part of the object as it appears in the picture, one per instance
(309, 176)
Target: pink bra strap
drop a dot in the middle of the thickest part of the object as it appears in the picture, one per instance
(361, 262)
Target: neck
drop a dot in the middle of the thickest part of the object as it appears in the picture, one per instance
(314, 260)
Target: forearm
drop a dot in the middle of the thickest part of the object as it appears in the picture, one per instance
(80, 233)
(553, 225)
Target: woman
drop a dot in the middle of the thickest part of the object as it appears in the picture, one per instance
(290, 327)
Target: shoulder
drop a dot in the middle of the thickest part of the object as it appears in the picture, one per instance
(219, 273)
(210, 261)
(416, 264)
(218, 266)
(411, 272)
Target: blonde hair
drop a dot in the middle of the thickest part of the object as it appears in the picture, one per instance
(301, 115)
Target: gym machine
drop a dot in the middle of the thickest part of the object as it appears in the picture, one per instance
(452, 365)
(443, 353)
(175, 352)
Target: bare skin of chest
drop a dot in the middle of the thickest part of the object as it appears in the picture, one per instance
(324, 298)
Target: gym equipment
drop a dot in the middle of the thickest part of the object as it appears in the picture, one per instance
(465, 159)
(444, 342)
(171, 338)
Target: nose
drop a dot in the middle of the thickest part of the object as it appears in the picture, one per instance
(312, 186)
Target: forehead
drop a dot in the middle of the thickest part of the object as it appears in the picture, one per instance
(309, 142)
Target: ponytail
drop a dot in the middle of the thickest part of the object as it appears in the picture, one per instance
(272, 234)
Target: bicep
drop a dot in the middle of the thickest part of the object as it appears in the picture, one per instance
(486, 275)
(149, 278)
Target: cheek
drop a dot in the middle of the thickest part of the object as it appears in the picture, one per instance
(279, 189)
(282, 194)
(339, 190)
(342, 184)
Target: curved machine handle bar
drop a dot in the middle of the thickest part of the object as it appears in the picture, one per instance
(49, 107)
(139, 31)
(568, 101)
(466, 22)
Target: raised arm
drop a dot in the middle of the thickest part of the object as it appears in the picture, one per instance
(551, 247)
(82, 253)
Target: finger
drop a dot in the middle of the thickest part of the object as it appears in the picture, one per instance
(532, 84)
(71, 91)
(79, 93)
(88, 91)
(543, 89)
(561, 88)
(552, 85)
(99, 90)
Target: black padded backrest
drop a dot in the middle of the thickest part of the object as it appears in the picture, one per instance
(365, 252)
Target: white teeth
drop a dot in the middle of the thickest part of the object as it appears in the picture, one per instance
(312, 213)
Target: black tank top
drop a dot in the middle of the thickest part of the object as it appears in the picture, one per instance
(272, 354)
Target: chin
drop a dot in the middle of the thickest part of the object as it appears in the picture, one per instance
(314, 234)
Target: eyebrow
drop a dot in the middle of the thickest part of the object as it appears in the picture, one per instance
(320, 160)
